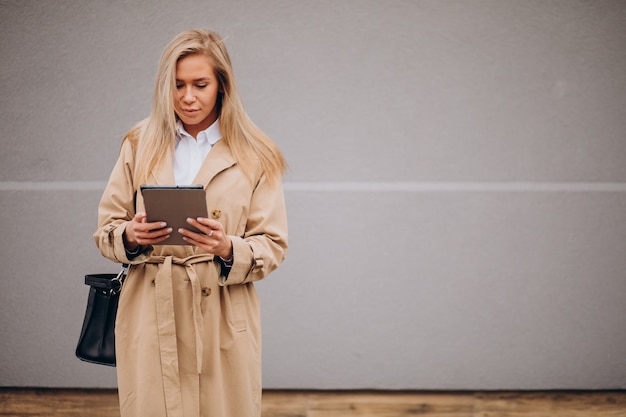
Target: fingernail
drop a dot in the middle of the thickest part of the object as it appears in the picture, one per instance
(170, 230)
(163, 224)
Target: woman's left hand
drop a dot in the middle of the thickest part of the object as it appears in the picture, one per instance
(213, 239)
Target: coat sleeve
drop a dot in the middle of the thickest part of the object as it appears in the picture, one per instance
(264, 244)
(116, 208)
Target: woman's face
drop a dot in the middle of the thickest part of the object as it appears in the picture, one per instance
(196, 93)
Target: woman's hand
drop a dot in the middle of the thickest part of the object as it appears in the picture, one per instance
(139, 232)
(213, 239)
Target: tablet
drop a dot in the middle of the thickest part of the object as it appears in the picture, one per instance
(173, 205)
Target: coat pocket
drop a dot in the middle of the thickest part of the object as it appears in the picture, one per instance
(236, 309)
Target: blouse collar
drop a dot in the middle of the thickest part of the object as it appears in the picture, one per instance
(211, 134)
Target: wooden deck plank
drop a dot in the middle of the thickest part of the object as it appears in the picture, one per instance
(24, 402)
(285, 404)
(551, 404)
(58, 402)
(391, 404)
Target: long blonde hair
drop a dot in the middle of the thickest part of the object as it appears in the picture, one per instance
(156, 134)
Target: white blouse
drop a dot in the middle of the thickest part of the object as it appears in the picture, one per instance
(191, 152)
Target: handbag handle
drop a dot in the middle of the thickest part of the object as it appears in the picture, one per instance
(108, 283)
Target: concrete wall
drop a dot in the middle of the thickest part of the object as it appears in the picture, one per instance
(457, 193)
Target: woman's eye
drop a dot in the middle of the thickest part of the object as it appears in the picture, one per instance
(201, 85)
(179, 86)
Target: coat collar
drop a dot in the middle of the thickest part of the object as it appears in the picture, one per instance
(219, 159)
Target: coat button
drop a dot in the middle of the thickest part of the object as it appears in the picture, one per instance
(216, 214)
(206, 291)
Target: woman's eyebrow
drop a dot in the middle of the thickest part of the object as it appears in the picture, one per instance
(197, 79)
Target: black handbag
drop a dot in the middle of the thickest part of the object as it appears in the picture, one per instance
(96, 343)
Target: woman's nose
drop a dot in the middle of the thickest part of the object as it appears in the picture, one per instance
(188, 96)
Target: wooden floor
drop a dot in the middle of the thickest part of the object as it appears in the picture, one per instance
(16, 402)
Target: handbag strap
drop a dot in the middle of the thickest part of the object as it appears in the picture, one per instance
(119, 279)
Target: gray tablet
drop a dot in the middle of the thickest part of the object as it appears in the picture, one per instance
(173, 205)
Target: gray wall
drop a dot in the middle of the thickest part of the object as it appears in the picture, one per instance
(457, 193)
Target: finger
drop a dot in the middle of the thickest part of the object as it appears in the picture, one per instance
(152, 236)
(199, 227)
(148, 227)
(210, 223)
(198, 244)
(205, 238)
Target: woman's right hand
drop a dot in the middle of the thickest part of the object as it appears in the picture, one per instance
(139, 232)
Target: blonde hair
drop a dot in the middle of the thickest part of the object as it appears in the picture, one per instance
(155, 135)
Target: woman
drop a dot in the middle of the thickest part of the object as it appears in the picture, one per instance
(188, 337)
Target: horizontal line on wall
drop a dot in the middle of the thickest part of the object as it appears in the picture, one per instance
(364, 186)
(454, 186)
(51, 185)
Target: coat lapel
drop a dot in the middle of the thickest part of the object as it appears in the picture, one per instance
(165, 176)
(216, 161)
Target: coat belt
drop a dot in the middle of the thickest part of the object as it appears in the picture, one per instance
(166, 325)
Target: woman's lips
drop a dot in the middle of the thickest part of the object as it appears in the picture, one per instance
(190, 113)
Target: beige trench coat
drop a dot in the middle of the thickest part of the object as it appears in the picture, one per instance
(188, 340)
